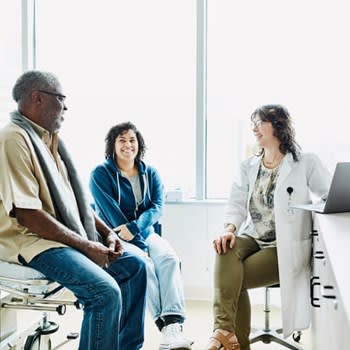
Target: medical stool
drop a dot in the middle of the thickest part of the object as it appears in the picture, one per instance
(268, 335)
(25, 288)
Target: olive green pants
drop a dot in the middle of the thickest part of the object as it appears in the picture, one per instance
(243, 267)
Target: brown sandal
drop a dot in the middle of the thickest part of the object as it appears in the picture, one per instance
(224, 341)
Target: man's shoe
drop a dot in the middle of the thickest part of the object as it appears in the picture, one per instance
(173, 339)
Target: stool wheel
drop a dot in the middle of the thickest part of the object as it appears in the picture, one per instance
(297, 336)
(78, 305)
(61, 309)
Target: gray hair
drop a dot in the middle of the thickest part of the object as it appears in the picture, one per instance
(31, 81)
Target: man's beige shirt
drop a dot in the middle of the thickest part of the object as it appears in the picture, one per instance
(23, 185)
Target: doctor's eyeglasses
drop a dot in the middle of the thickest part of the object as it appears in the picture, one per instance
(256, 124)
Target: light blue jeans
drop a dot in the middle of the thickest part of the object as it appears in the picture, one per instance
(165, 295)
(113, 299)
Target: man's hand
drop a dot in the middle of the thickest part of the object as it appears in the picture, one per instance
(124, 233)
(226, 239)
(97, 252)
(114, 246)
(111, 240)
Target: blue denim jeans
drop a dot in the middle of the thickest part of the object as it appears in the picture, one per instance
(113, 299)
(165, 295)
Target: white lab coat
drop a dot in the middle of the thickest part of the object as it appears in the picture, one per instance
(293, 227)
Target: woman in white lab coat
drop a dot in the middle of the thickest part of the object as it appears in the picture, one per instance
(265, 241)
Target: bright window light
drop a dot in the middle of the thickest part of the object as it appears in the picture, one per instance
(125, 60)
(290, 52)
(10, 57)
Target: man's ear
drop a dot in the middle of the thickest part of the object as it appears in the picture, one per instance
(36, 97)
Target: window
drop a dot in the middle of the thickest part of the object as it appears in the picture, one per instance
(292, 52)
(136, 60)
(125, 60)
(10, 58)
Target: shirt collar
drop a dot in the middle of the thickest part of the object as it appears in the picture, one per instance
(49, 139)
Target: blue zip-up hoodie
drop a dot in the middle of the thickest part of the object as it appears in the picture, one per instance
(115, 202)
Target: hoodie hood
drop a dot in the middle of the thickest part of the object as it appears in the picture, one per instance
(111, 165)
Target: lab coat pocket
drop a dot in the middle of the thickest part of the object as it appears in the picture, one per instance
(301, 256)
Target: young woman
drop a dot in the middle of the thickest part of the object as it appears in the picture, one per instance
(265, 241)
(128, 195)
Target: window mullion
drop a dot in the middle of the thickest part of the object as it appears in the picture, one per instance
(28, 34)
(201, 99)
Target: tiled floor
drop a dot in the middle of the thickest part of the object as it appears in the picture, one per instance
(197, 327)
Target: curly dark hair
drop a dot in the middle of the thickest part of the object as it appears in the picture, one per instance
(120, 129)
(281, 122)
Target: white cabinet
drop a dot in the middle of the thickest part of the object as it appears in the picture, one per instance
(330, 323)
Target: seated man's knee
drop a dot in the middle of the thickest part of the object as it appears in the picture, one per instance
(104, 293)
(139, 264)
(110, 292)
(137, 267)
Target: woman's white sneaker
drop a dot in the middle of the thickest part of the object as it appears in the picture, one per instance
(173, 339)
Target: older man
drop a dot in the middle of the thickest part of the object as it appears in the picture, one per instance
(47, 224)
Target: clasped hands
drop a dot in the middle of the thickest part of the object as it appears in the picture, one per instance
(104, 255)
